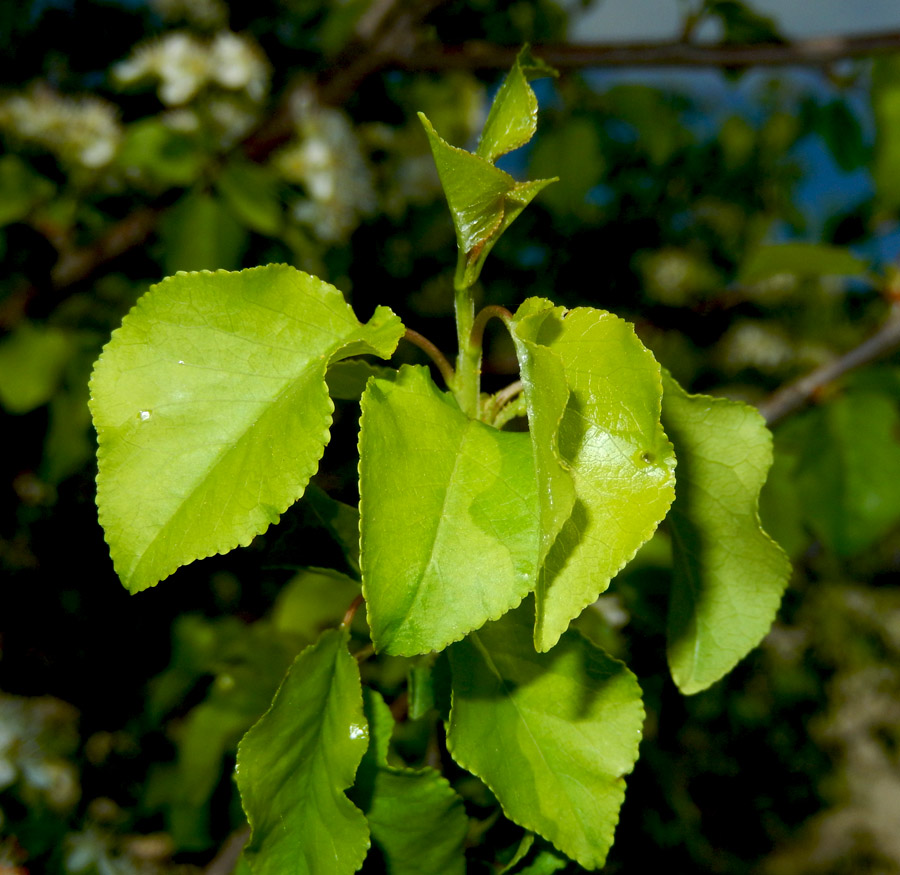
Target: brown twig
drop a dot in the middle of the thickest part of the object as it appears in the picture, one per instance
(795, 395)
(225, 861)
(351, 611)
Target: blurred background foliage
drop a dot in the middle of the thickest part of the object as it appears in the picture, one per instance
(746, 222)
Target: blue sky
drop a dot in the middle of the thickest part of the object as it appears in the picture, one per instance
(659, 19)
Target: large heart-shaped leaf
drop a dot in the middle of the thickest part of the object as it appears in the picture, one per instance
(212, 411)
(587, 370)
(295, 763)
(449, 518)
(552, 734)
(729, 574)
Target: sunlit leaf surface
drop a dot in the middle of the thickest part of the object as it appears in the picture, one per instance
(552, 734)
(212, 411)
(449, 516)
(294, 765)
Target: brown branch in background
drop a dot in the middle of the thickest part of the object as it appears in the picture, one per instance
(389, 39)
(77, 264)
(818, 51)
(225, 861)
(795, 395)
(385, 34)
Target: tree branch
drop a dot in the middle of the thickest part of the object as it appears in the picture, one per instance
(817, 51)
(390, 40)
(795, 395)
(225, 861)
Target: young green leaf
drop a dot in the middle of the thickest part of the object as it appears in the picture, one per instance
(295, 763)
(418, 822)
(551, 734)
(212, 412)
(587, 370)
(449, 517)
(729, 574)
(512, 121)
(483, 199)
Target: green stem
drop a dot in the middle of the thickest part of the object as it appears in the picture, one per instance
(467, 379)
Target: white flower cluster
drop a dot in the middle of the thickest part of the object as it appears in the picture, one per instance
(79, 130)
(184, 65)
(329, 163)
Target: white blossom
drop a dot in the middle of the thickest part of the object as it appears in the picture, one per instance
(184, 65)
(238, 65)
(79, 130)
(328, 162)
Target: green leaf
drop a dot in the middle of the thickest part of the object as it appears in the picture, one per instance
(551, 734)
(842, 132)
(247, 663)
(848, 470)
(198, 233)
(729, 574)
(586, 370)
(217, 381)
(742, 23)
(659, 129)
(420, 686)
(575, 150)
(347, 380)
(512, 120)
(800, 259)
(313, 600)
(294, 765)
(546, 391)
(418, 822)
(341, 520)
(886, 108)
(448, 516)
(21, 189)
(32, 361)
(168, 156)
(483, 200)
(251, 192)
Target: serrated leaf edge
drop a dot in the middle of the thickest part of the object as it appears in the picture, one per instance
(365, 589)
(621, 788)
